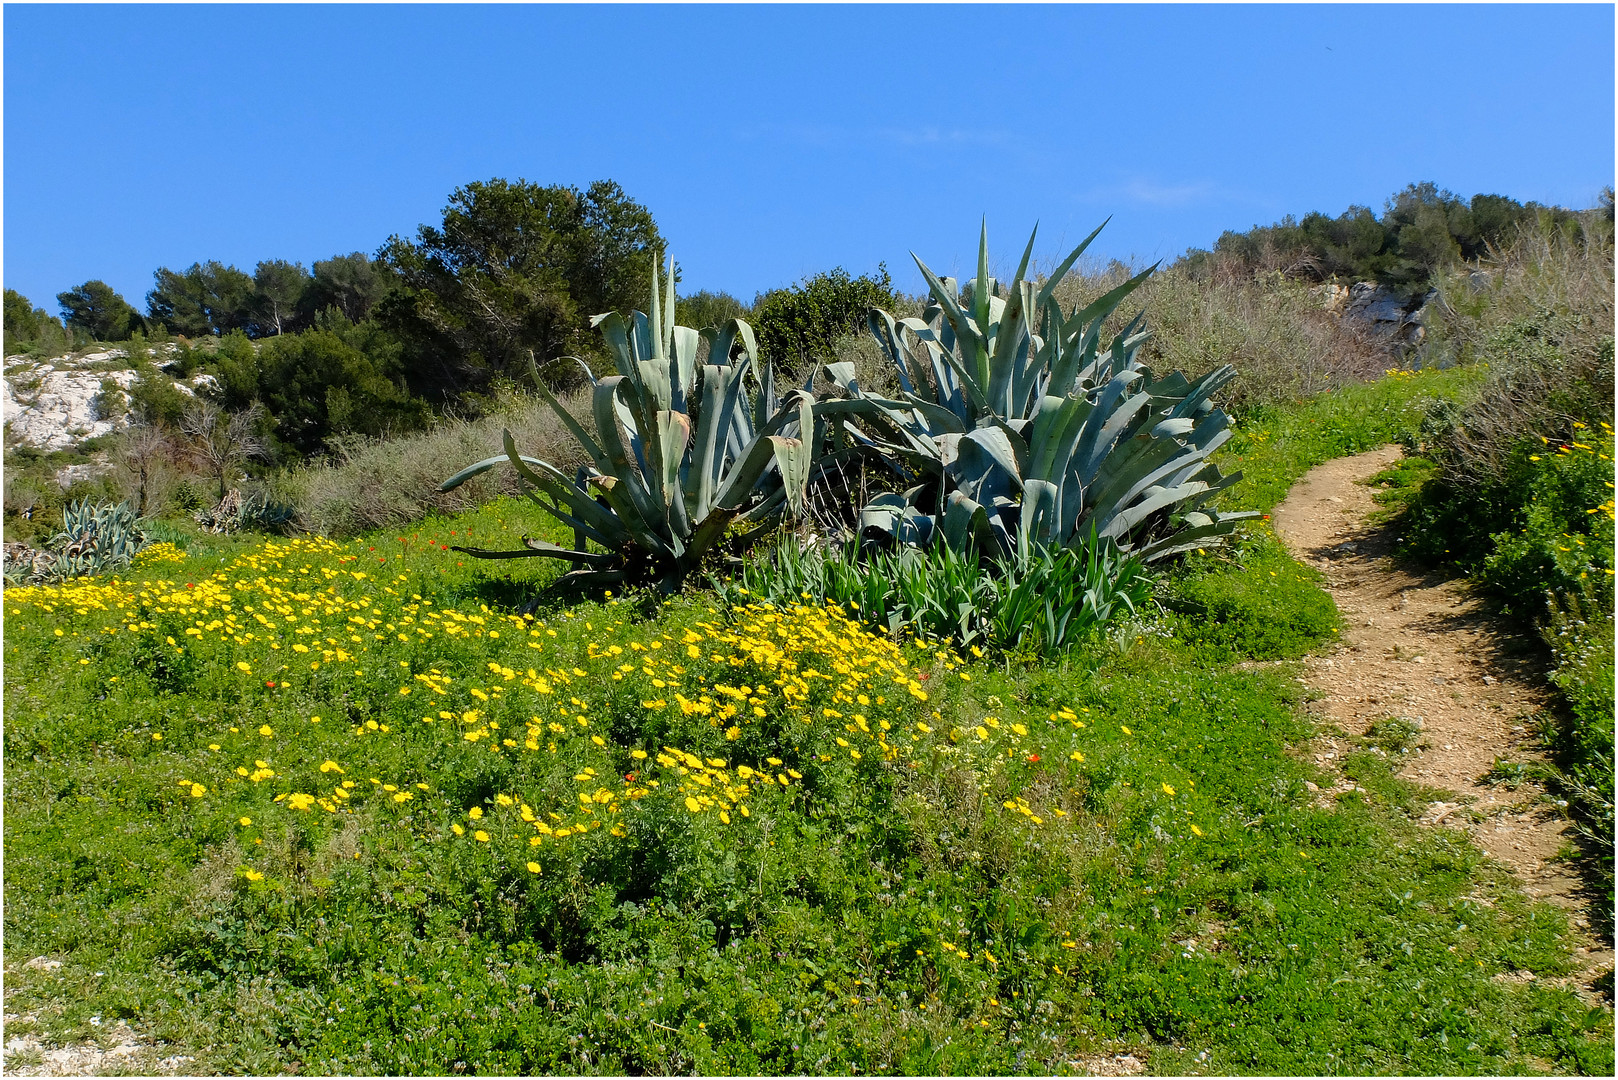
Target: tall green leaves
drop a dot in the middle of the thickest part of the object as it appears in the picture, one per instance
(1039, 603)
(683, 453)
(1025, 430)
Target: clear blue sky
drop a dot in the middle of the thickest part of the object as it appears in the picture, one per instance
(772, 142)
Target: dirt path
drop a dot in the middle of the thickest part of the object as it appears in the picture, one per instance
(1422, 649)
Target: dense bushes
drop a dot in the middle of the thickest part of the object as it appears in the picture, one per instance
(1520, 495)
(801, 325)
(1422, 230)
(335, 379)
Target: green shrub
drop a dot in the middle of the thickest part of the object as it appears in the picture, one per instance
(800, 326)
(1580, 636)
(1545, 524)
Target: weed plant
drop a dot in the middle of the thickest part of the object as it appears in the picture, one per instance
(1037, 605)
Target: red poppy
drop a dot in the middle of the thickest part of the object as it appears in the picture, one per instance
(1033, 757)
(269, 684)
(630, 776)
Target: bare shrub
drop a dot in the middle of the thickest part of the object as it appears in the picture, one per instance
(147, 459)
(1540, 315)
(1273, 328)
(221, 442)
(1547, 274)
(378, 484)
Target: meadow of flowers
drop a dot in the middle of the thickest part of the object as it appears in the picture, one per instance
(340, 807)
(346, 693)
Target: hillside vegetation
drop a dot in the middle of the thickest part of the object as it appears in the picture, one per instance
(361, 803)
(367, 819)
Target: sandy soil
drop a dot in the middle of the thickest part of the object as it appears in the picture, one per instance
(1423, 649)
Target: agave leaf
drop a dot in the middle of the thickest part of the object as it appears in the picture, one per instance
(616, 334)
(654, 325)
(1056, 275)
(1121, 522)
(1106, 423)
(598, 456)
(687, 344)
(674, 431)
(478, 468)
(1037, 524)
(889, 336)
(720, 387)
(965, 522)
(792, 458)
(667, 328)
(632, 485)
(966, 332)
(1204, 388)
(842, 375)
(542, 549)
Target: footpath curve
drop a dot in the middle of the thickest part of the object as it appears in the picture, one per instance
(1423, 649)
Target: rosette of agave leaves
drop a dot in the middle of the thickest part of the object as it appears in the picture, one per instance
(1025, 429)
(685, 456)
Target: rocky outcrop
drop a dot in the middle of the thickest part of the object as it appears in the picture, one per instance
(1378, 310)
(55, 404)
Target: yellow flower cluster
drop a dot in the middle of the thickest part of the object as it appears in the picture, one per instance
(153, 554)
(783, 690)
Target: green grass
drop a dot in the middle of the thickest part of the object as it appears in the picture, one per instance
(1275, 445)
(1118, 849)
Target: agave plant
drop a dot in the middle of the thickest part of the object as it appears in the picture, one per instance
(686, 456)
(1025, 431)
(96, 538)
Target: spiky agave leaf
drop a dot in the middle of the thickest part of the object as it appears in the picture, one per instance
(1034, 424)
(662, 487)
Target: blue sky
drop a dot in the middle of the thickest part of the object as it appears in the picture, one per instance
(772, 142)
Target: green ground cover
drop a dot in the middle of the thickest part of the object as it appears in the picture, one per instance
(613, 837)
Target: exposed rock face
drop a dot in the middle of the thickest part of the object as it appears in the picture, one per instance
(1378, 309)
(57, 403)
(54, 410)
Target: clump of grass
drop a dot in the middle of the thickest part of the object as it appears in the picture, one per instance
(1037, 605)
(383, 484)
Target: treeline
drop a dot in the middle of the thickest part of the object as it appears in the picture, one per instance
(443, 321)
(1423, 229)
